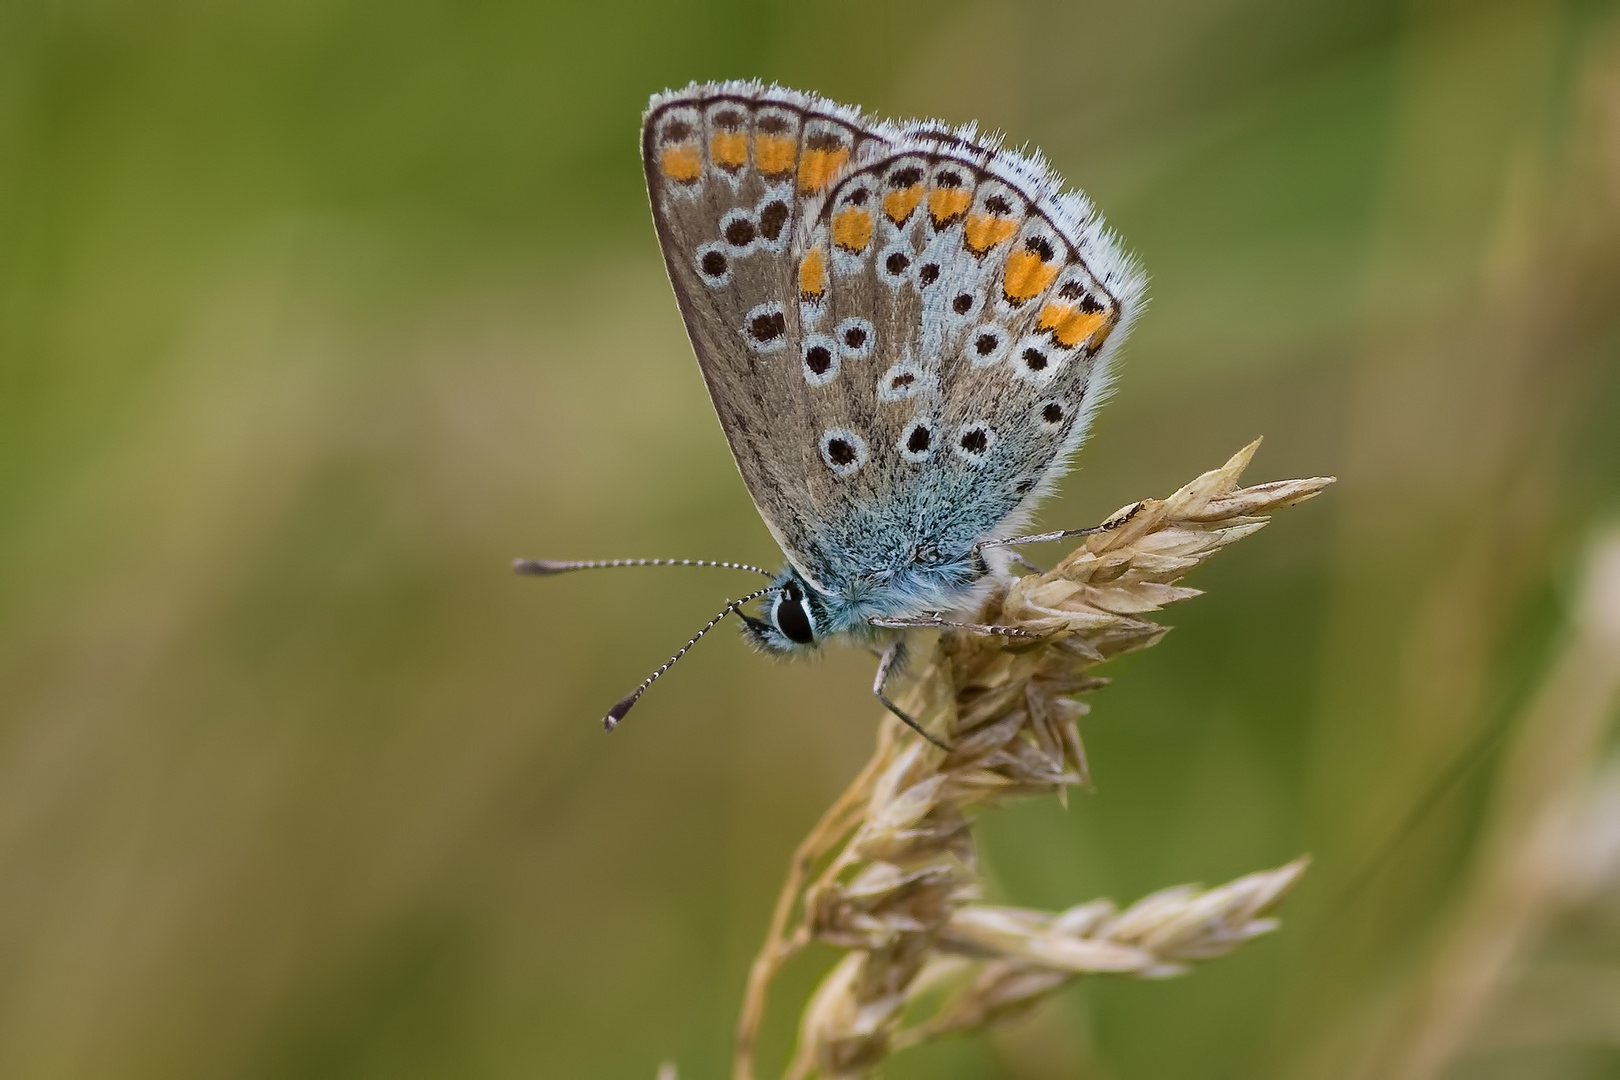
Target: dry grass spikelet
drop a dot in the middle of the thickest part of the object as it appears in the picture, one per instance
(898, 883)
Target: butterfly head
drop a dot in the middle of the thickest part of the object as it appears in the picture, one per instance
(794, 620)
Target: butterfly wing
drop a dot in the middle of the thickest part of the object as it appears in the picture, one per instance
(904, 367)
(734, 171)
(1006, 298)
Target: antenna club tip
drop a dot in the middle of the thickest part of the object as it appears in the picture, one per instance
(539, 567)
(615, 714)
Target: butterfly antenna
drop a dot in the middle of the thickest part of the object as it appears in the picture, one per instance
(615, 714)
(548, 567)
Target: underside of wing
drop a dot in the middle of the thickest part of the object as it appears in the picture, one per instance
(734, 171)
(905, 331)
(998, 302)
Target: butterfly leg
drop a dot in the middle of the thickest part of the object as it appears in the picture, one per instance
(894, 658)
(1026, 564)
(1063, 534)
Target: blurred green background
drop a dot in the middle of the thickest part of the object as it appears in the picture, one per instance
(314, 315)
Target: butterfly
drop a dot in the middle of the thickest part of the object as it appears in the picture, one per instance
(905, 330)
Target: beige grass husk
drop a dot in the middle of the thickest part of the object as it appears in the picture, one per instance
(900, 890)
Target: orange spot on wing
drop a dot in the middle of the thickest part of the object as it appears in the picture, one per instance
(1069, 325)
(681, 163)
(1101, 336)
(813, 274)
(899, 204)
(1026, 276)
(818, 167)
(729, 149)
(985, 231)
(947, 204)
(1052, 315)
(773, 154)
(852, 229)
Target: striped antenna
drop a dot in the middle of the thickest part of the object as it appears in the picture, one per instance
(548, 567)
(615, 714)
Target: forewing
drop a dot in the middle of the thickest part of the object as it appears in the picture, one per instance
(735, 171)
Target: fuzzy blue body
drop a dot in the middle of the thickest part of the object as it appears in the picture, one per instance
(846, 611)
(915, 552)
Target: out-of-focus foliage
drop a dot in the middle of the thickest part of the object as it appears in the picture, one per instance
(313, 315)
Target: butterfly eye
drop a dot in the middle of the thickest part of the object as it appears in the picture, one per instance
(792, 615)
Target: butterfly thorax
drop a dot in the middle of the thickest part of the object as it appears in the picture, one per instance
(799, 615)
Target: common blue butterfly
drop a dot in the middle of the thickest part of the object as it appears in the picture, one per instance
(905, 330)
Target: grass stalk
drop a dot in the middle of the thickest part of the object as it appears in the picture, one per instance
(898, 886)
